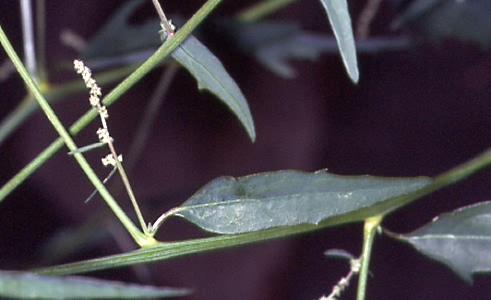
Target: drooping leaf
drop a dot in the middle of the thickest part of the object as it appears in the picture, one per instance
(23, 285)
(274, 43)
(212, 76)
(230, 205)
(461, 240)
(337, 11)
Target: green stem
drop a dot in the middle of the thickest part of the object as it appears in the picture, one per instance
(138, 236)
(262, 9)
(369, 231)
(113, 96)
(53, 93)
(167, 251)
(444, 179)
(129, 190)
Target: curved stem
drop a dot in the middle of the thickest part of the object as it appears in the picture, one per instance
(137, 235)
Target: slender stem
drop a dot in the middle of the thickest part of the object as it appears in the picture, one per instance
(114, 95)
(153, 228)
(369, 231)
(41, 39)
(128, 188)
(444, 179)
(53, 93)
(163, 18)
(28, 35)
(366, 17)
(138, 236)
(262, 9)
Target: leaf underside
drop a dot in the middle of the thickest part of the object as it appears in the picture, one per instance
(339, 17)
(25, 285)
(230, 205)
(461, 240)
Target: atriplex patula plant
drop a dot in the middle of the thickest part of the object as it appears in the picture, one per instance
(251, 208)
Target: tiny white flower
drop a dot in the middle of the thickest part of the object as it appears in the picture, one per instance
(95, 89)
(109, 160)
(78, 66)
(103, 135)
(103, 112)
(94, 100)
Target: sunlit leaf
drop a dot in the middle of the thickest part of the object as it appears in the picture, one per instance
(235, 205)
(337, 11)
(461, 240)
(23, 285)
(212, 76)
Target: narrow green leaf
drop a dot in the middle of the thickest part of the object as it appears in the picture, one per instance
(235, 205)
(87, 148)
(461, 240)
(211, 75)
(337, 11)
(25, 285)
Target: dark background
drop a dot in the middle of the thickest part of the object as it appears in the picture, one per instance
(418, 111)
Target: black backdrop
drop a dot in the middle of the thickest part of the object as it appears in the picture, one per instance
(415, 112)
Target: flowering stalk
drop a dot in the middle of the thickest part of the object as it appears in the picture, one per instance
(167, 26)
(112, 158)
(339, 288)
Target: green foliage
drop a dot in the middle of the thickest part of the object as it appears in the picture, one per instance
(211, 75)
(341, 25)
(461, 240)
(31, 286)
(252, 208)
(235, 205)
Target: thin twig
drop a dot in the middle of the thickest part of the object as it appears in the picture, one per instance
(28, 35)
(41, 39)
(163, 19)
(366, 17)
(343, 283)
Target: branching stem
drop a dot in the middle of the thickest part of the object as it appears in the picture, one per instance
(163, 19)
(369, 231)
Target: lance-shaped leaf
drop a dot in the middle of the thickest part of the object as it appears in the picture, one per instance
(23, 285)
(211, 75)
(337, 11)
(274, 43)
(461, 240)
(230, 205)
